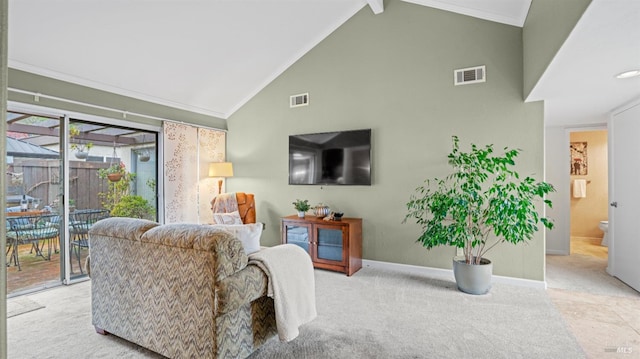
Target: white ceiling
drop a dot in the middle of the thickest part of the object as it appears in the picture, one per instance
(579, 86)
(212, 56)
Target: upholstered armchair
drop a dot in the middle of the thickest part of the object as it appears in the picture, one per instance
(246, 205)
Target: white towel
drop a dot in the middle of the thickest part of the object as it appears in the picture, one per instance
(579, 188)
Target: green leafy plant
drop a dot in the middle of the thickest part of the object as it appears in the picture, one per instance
(114, 168)
(481, 204)
(151, 183)
(80, 146)
(133, 206)
(301, 205)
(115, 190)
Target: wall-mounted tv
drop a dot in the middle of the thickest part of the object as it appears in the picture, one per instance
(331, 158)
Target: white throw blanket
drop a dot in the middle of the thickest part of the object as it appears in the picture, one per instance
(291, 285)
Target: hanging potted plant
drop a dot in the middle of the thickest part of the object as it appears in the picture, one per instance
(115, 190)
(114, 173)
(480, 205)
(81, 148)
(144, 156)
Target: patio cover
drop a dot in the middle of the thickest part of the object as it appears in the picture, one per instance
(18, 148)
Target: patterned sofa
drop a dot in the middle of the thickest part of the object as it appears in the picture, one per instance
(181, 290)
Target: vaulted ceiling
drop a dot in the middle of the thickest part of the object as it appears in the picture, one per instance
(211, 57)
(580, 86)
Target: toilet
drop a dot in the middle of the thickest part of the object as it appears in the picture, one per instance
(604, 227)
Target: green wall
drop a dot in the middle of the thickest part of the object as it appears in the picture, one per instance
(393, 73)
(26, 81)
(548, 24)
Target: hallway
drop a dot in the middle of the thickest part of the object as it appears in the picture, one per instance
(602, 312)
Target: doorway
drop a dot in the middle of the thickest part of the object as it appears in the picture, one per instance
(589, 193)
(579, 262)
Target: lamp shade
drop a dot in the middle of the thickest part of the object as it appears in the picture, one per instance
(221, 169)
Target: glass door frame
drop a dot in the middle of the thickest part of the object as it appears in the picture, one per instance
(65, 117)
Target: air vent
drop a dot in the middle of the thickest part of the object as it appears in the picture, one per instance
(299, 100)
(471, 75)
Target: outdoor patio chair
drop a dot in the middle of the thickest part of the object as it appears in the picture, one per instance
(11, 242)
(80, 222)
(11, 239)
(37, 230)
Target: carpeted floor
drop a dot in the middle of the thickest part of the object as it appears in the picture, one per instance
(22, 305)
(374, 314)
(585, 274)
(386, 314)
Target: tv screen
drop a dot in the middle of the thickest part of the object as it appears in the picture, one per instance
(331, 158)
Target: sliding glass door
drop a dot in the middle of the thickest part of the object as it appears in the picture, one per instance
(34, 173)
(64, 174)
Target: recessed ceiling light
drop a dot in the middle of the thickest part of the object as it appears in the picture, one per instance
(628, 74)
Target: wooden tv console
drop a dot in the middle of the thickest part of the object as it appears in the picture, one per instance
(332, 245)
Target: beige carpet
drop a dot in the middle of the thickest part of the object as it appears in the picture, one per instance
(374, 314)
(22, 305)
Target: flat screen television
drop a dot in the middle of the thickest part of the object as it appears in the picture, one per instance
(330, 158)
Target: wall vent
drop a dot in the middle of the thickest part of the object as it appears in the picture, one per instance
(471, 75)
(299, 100)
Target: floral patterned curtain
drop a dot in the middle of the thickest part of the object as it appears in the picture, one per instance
(212, 148)
(188, 190)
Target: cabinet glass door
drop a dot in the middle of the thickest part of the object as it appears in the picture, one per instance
(298, 235)
(330, 244)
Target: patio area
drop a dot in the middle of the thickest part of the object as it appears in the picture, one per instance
(39, 191)
(38, 273)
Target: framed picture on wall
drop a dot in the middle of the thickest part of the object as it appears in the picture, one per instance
(578, 157)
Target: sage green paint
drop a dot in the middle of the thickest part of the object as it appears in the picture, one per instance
(393, 73)
(548, 24)
(26, 81)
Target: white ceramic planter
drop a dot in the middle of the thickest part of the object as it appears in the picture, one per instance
(82, 155)
(473, 278)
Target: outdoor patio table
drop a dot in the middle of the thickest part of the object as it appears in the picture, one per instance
(27, 213)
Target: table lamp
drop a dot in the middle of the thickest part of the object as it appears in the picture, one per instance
(220, 169)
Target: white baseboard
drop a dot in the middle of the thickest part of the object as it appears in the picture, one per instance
(557, 252)
(448, 273)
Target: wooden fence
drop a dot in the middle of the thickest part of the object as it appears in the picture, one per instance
(41, 178)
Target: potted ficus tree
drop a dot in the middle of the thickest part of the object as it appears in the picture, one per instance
(479, 205)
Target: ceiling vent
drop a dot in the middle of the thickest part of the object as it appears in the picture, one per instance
(299, 100)
(471, 75)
